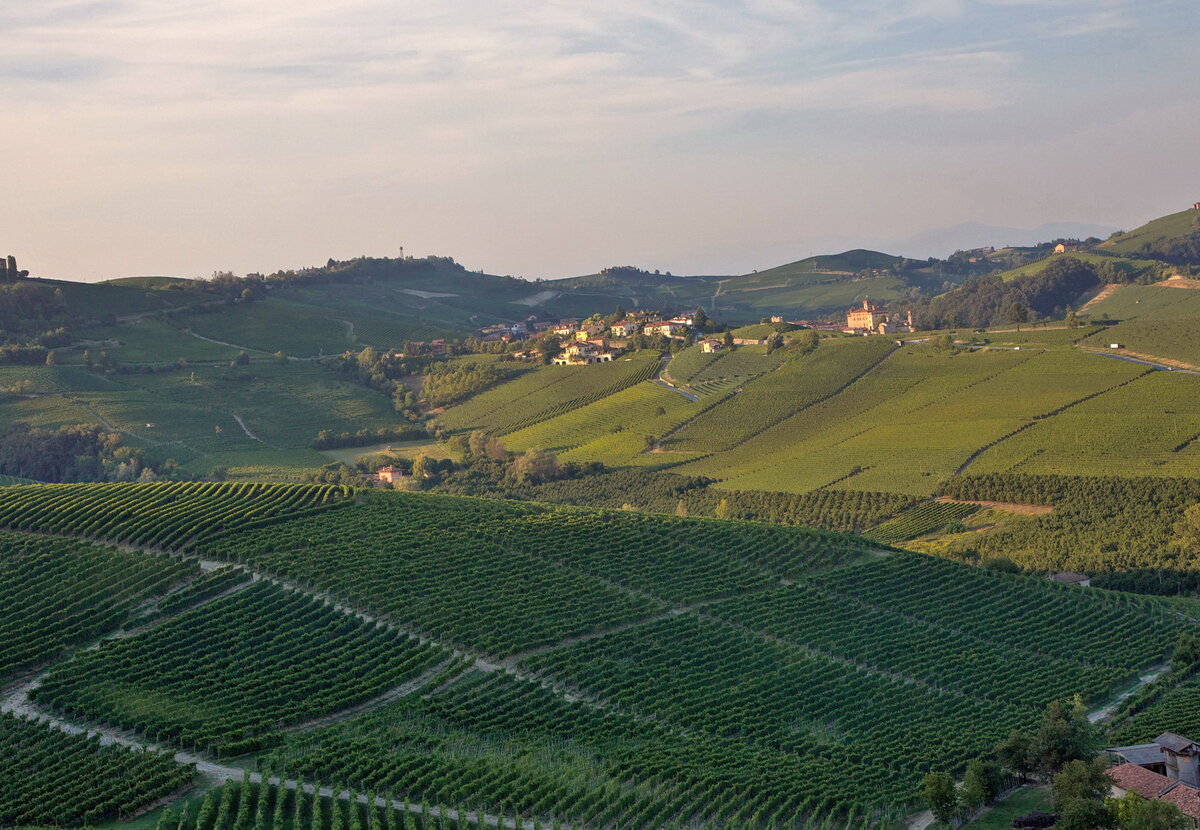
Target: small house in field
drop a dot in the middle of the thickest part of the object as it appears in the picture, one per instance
(1196, 206)
(1065, 247)
(1071, 578)
(389, 474)
(711, 346)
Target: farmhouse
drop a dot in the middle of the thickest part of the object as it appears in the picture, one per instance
(711, 346)
(1196, 206)
(626, 328)
(1065, 247)
(389, 474)
(1166, 770)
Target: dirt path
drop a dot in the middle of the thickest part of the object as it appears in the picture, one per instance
(403, 690)
(1105, 712)
(246, 349)
(1007, 507)
(1103, 294)
(1141, 357)
(245, 428)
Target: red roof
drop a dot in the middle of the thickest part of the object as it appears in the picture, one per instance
(1147, 784)
(1144, 782)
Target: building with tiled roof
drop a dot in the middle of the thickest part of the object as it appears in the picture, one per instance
(1166, 770)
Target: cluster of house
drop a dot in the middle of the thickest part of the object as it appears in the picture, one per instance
(1166, 770)
(873, 319)
(592, 341)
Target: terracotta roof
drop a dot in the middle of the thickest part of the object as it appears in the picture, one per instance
(1186, 798)
(1132, 778)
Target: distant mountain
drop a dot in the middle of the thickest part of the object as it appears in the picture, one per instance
(941, 242)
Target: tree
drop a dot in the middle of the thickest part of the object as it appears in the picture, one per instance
(774, 341)
(1084, 815)
(1065, 735)
(722, 509)
(1080, 781)
(650, 441)
(728, 339)
(1016, 753)
(1187, 651)
(477, 443)
(1132, 812)
(681, 509)
(973, 793)
(944, 343)
(937, 790)
(1072, 320)
(51, 359)
(242, 359)
(701, 319)
(1187, 529)
(421, 468)
(1017, 313)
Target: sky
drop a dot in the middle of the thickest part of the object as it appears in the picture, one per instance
(547, 138)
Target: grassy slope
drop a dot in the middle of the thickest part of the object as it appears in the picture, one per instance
(1157, 320)
(1129, 267)
(1166, 227)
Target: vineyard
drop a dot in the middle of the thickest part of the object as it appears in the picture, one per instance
(1177, 711)
(501, 577)
(924, 518)
(237, 805)
(625, 418)
(495, 740)
(222, 677)
(664, 492)
(774, 397)
(613, 669)
(547, 392)
(48, 778)
(56, 593)
(170, 516)
(915, 420)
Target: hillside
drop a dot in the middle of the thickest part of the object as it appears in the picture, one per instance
(552, 663)
(1167, 237)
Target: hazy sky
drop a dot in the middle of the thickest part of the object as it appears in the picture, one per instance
(554, 137)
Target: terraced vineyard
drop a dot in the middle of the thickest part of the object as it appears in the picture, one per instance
(57, 593)
(48, 778)
(914, 421)
(269, 807)
(925, 518)
(1177, 711)
(552, 390)
(223, 676)
(171, 516)
(781, 394)
(612, 429)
